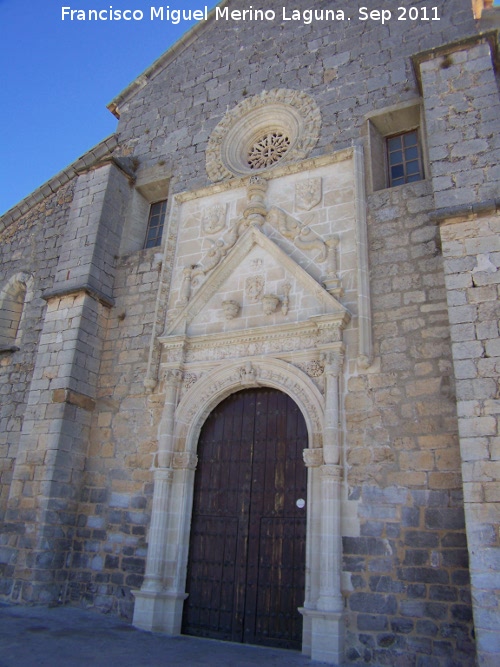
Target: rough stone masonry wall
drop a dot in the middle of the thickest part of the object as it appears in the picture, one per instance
(108, 552)
(472, 262)
(409, 602)
(349, 68)
(46, 479)
(462, 108)
(29, 245)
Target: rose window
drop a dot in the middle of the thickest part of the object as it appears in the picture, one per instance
(265, 131)
(268, 150)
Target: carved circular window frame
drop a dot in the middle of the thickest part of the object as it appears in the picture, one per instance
(290, 113)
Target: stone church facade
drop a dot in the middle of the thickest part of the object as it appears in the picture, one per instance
(260, 323)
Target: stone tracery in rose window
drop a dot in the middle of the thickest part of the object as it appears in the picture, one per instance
(268, 150)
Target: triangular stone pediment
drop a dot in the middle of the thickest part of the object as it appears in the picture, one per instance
(233, 296)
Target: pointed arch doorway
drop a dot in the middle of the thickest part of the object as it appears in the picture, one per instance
(246, 568)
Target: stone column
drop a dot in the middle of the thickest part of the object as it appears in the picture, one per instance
(331, 440)
(152, 601)
(330, 598)
(326, 621)
(153, 580)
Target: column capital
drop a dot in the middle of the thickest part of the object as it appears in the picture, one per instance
(173, 376)
(334, 362)
(185, 461)
(313, 458)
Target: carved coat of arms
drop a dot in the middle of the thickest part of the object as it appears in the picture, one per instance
(254, 287)
(308, 193)
(214, 219)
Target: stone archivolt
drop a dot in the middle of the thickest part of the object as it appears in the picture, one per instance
(197, 403)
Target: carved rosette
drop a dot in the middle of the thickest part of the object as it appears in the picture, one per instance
(314, 368)
(189, 380)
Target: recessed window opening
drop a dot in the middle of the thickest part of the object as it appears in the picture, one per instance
(404, 158)
(155, 224)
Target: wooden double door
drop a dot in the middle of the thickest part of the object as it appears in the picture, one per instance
(246, 568)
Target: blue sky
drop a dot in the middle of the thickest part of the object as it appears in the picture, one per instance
(57, 78)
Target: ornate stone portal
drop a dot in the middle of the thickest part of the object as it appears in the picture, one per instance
(252, 310)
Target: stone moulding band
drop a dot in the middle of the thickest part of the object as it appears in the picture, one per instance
(87, 289)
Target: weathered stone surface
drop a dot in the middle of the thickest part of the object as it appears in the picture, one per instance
(85, 394)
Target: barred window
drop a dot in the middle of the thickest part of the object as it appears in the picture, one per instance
(404, 158)
(155, 224)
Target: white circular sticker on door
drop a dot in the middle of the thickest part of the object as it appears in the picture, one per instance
(301, 503)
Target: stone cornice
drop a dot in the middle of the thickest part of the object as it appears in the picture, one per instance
(318, 333)
(86, 289)
(459, 213)
(277, 172)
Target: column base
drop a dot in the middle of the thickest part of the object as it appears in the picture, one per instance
(158, 611)
(323, 637)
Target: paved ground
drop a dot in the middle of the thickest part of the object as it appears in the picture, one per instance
(70, 637)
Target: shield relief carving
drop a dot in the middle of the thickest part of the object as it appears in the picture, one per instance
(214, 219)
(308, 193)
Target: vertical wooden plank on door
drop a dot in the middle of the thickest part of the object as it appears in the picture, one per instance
(247, 552)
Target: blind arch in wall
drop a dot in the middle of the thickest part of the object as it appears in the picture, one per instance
(12, 301)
